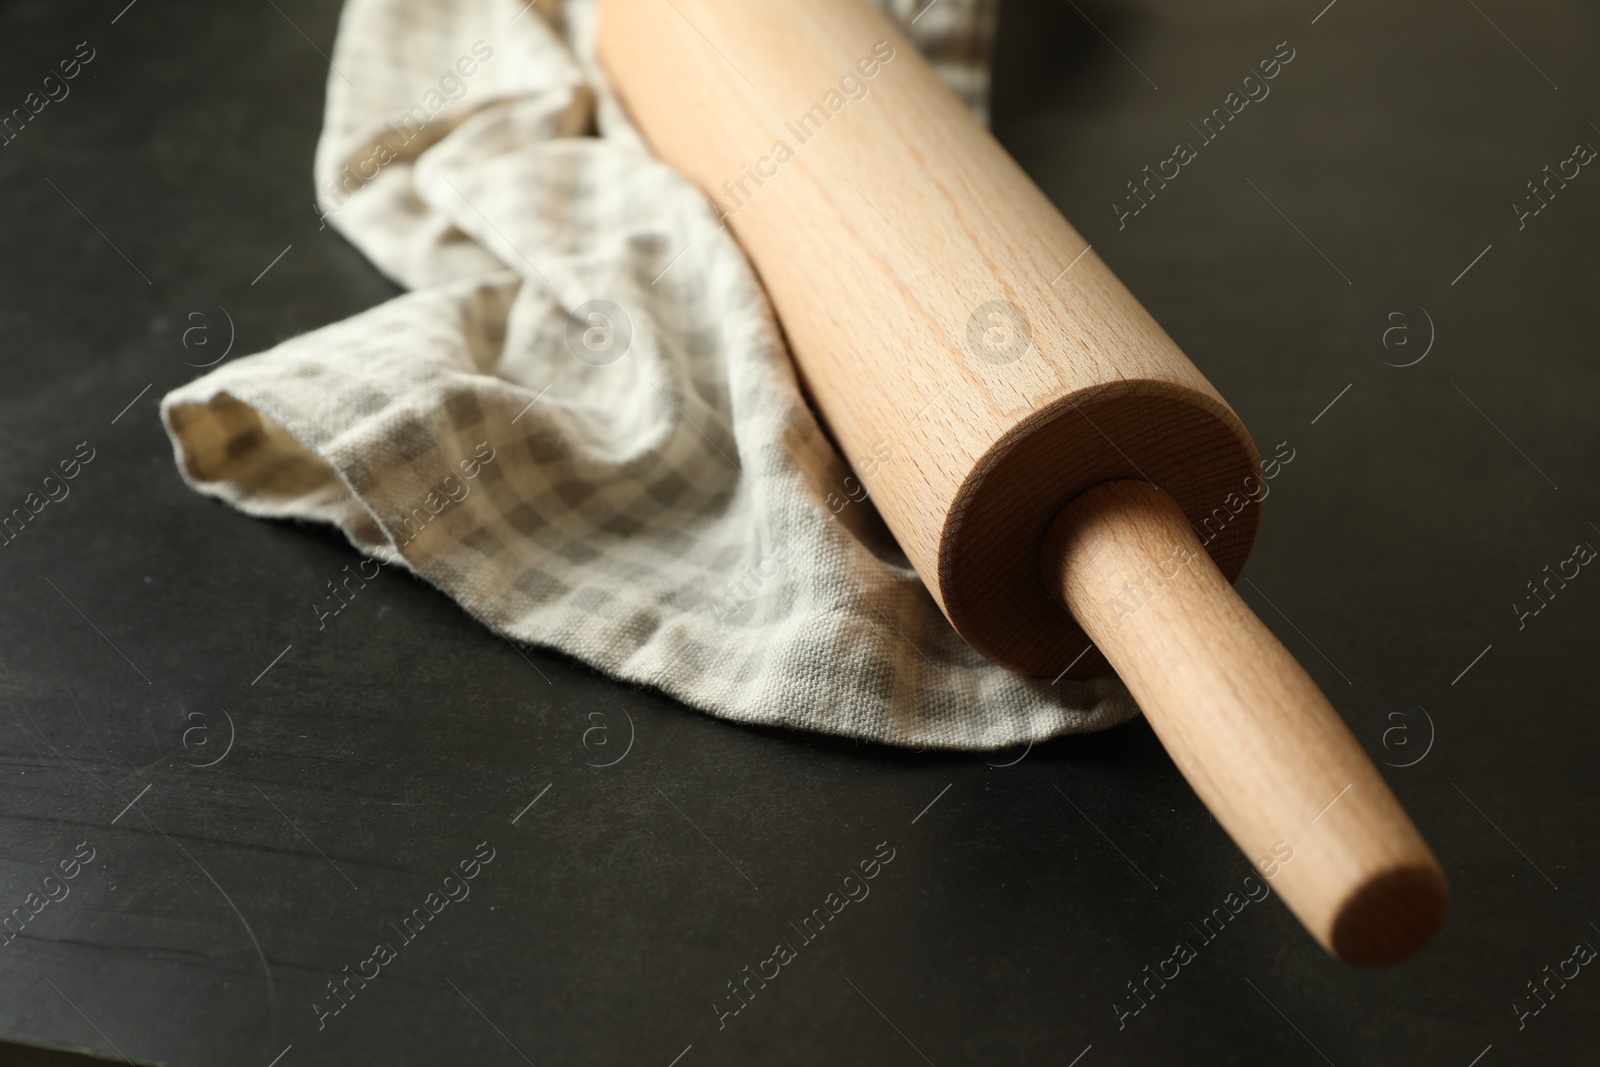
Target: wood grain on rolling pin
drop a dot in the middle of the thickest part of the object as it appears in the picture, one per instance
(1033, 483)
(1247, 726)
(879, 238)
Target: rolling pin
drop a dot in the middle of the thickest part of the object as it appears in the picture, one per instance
(1071, 489)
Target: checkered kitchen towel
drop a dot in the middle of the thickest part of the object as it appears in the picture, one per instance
(581, 422)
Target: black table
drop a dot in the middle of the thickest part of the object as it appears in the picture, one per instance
(265, 802)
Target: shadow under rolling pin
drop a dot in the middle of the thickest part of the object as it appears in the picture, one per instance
(1058, 447)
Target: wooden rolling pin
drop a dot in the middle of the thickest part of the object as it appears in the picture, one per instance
(1061, 472)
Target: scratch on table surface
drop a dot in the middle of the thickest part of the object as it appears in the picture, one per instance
(262, 956)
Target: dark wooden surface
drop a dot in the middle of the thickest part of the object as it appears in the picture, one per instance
(376, 754)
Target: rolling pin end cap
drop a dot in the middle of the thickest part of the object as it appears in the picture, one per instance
(1391, 916)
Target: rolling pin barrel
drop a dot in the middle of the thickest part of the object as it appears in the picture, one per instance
(1061, 473)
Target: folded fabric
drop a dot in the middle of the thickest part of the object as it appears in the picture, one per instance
(581, 423)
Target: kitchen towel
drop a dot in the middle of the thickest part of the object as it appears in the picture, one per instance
(581, 422)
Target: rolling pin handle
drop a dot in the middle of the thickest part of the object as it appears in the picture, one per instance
(1249, 729)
